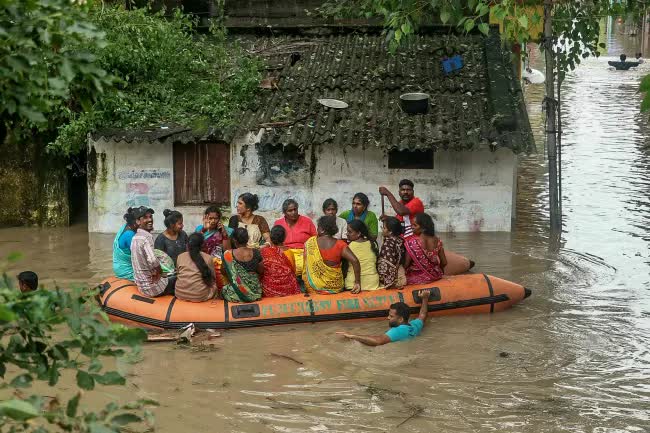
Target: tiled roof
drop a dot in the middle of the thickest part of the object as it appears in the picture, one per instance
(479, 106)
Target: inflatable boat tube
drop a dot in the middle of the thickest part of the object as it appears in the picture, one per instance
(457, 264)
(462, 294)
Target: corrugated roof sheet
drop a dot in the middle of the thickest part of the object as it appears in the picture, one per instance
(358, 69)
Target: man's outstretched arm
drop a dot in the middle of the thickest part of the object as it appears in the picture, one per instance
(398, 207)
(368, 340)
(424, 308)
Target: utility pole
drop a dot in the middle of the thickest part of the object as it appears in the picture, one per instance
(551, 119)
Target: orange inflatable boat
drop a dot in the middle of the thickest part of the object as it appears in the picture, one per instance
(461, 294)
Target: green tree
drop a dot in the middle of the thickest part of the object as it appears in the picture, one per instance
(37, 64)
(46, 333)
(164, 72)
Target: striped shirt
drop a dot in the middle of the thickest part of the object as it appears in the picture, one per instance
(145, 265)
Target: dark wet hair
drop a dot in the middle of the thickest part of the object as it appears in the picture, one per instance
(330, 202)
(362, 198)
(402, 309)
(288, 202)
(240, 236)
(213, 208)
(394, 226)
(251, 201)
(327, 224)
(278, 235)
(29, 278)
(425, 221)
(129, 217)
(194, 244)
(172, 217)
(406, 182)
(361, 227)
(623, 57)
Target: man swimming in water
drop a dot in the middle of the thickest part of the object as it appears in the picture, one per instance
(398, 320)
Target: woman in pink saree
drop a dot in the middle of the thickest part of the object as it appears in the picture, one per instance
(425, 259)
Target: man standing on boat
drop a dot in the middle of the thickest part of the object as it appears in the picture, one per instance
(407, 207)
(398, 320)
(147, 271)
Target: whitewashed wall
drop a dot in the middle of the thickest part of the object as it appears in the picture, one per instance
(466, 191)
(133, 174)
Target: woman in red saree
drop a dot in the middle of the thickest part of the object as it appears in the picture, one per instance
(279, 277)
(425, 260)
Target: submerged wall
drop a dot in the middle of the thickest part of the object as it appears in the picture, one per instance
(465, 191)
(34, 187)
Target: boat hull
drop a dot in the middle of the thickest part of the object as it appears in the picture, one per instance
(462, 294)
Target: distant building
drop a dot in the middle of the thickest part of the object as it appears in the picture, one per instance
(462, 154)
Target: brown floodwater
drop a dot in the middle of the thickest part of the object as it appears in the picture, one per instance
(573, 357)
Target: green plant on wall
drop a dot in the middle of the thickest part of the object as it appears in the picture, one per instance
(47, 333)
(164, 72)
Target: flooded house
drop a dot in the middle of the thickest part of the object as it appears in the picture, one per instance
(328, 122)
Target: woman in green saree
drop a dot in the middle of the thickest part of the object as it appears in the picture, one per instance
(243, 267)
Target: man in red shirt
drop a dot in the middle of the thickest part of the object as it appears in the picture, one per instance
(407, 207)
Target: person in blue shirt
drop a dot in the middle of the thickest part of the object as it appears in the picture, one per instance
(122, 247)
(398, 320)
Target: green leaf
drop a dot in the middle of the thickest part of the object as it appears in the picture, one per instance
(18, 410)
(444, 16)
(523, 21)
(645, 104)
(85, 380)
(6, 315)
(31, 114)
(645, 84)
(14, 256)
(96, 427)
(406, 28)
(22, 381)
(484, 28)
(109, 378)
(129, 336)
(125, 418)
(469, 25)
(73, 404)
(53, 374)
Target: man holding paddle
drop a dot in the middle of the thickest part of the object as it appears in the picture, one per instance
(407, 207)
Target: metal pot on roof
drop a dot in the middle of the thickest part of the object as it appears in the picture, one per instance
(414, 103)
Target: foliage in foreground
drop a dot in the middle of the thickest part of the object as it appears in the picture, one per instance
(47, 333)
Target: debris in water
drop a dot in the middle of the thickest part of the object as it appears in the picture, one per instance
(504, 354)
(279, 355)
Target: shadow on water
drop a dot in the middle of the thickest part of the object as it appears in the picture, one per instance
(573, 357)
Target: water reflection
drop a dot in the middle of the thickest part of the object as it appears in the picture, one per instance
(574, 357)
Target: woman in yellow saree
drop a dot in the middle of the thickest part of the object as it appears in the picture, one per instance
(322, 271)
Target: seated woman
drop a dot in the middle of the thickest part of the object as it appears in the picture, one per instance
(331, 207)
(215, 235)
(256, 225)
(279, 277)
(390, 264)
(173, 241)
(243, 267)
(122, 265)
(195, 280)
(366, 252)
(360, 211)
(323, 256)
(425, 260)
(299, 229)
